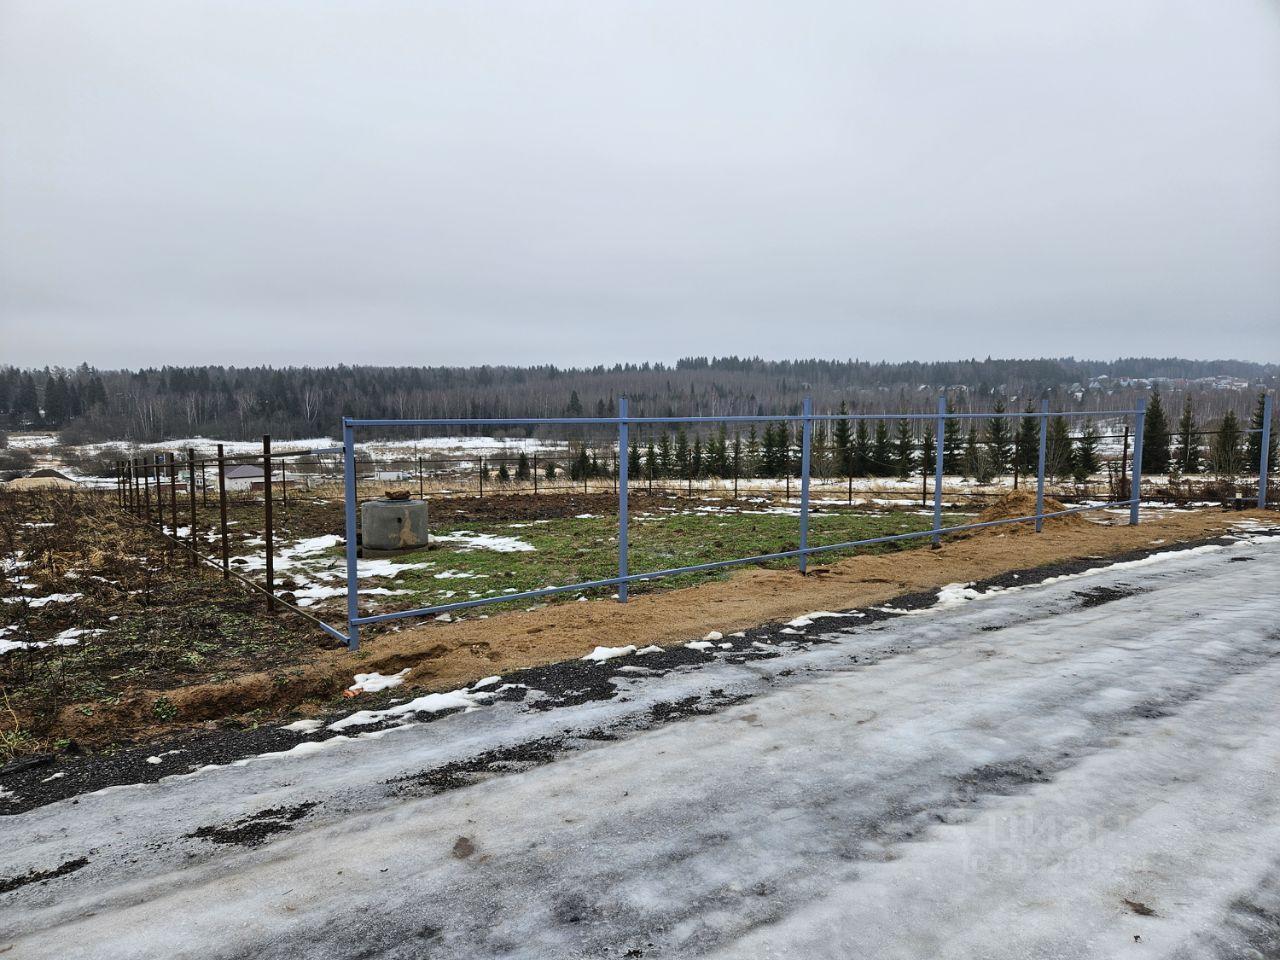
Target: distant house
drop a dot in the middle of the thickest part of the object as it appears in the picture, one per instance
(243, 476)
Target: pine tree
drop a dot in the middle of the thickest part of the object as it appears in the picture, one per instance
(664, 455)
(882, 451)
(999, 441)
(1155, 437)
(1058, 453)
(522, 467)
(550, 470)
(504, 475)
(575, 405)
(695, 458)
(751, 463)
(973, 465)
(1187, 457)
(1253, 443)
(843, 444)
(650, 460)
(1225, 449)
(904, 452)
(736, 463)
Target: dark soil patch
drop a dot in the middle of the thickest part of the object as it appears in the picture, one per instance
(1100, 595)
(256, 829)
(40, 876)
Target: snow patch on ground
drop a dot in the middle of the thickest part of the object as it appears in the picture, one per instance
(431, 703)
(601, 654)
(486, 541)
(373, 682)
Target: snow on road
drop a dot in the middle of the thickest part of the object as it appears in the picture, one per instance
(1082, 769)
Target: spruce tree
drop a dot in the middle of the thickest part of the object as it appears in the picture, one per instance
(682, 453)
(695, 458)
(550, 470)
(1187, 457)
(522, 466)
(650, 459)
(633, 457)
(952, 444)
(1253, 444)
(664, 455)
(504, 475)
(999, 441)
(1155, 437)
(861, 456)
(1085, 462)
(904, 450)
(972, 461)
(928, 449)
(1026, 448)
(842, 444)
(1058, 453)
(1225, 449)
(882, 451)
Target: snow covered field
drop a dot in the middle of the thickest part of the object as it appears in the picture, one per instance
(1083, 768)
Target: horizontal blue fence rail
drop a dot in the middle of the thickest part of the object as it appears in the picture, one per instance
(807, 418)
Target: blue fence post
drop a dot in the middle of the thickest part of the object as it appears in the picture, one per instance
(1040, 466)
(1264, 461)
(349, 506)
(623, 469)
(1135, 489)
(938, 447)
(806, 445)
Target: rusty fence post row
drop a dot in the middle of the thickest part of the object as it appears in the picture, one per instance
(269, 534)
(222, 510)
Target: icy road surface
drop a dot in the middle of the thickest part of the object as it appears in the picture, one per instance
(1088, 768)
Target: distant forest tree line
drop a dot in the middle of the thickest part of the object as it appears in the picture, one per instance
(87, 404)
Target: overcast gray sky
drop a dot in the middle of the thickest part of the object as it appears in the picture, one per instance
(409, 181)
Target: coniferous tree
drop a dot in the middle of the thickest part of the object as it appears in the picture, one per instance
(952, 444)
(504, 475)
(904, 450)
(1155, 437)
(842, 444)
(1187, 455)
(1085, 461)
(633, 457)
(928, 449)
(550, 470)
(665, 464)
(1058, 453)
(999, 441)
(1225, 449)
(1253, 442)
(736, 462)
(882, 451)
(682, 453)
(522, 466)
(574, 409)
(1026, 447)
(972, 461)
(695, 457)
(650, 459)
(861, 454)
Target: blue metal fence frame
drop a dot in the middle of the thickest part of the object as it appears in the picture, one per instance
(806, 418)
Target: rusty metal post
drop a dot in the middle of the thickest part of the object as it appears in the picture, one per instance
(482, 476)
(204, 485)
(535, 473)
(222, 510)
(191, 497)
(157, 459)
(146, 488)
(421, 494)
(173, 493)
(269, 534)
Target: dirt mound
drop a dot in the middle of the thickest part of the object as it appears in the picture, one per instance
(1022, 503)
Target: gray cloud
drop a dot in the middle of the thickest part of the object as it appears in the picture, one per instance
(306, 181)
